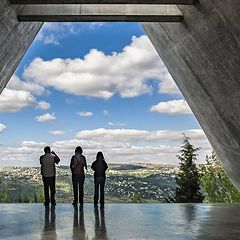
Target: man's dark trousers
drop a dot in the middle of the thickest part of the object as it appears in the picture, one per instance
(49, 183)
(99, 182)
(78, 185)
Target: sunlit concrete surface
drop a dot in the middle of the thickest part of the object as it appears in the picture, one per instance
(120, 221)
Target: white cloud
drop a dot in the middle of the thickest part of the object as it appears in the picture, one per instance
(57, 133)
(128, 73)
(45, 117)
(19, 94)
(44, 105)
(85, 114)
(51, 39)
(173, 107)
(13, 101)
(118, 145)
(16, 84)
(134, 135)
(54, 32)
(2, 127)
(117, 124)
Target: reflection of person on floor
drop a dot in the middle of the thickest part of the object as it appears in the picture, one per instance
(100, 227)
(48, 171)
(49, 229)
(99, 166)
(78, 224)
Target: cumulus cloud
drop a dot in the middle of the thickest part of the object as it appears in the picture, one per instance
(57, 133)
(134, 135)
(118, 146)
(13, 100)
(19, 94)
(85, 114)
(46, 117)
(128, 73)
(44, 105)
(2, 127)
(173, 107)
(15, 83)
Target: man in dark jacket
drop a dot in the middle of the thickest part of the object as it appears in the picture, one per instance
(77, 165)
(48, 171)
(99, 166)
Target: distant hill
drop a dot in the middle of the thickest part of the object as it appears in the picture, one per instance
(65, 167)
(126, 167)
(132, 166)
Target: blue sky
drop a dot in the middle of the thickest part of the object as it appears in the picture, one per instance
(99, 85)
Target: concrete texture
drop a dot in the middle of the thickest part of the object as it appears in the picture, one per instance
(102, 1)
(120, 221)
(100, 12)
(15, 39)
(203, 55)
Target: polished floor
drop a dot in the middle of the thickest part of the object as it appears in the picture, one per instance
(120, 221)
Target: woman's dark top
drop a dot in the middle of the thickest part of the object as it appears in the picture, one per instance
(99, 167)
(78, 162)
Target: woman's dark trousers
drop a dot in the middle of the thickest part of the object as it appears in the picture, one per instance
(49, 183)
(99, 182)
(78, 187)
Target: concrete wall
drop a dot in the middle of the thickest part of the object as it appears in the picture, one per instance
(15, 39)
(203, 56)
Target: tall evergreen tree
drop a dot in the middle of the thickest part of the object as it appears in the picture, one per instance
(188, 179)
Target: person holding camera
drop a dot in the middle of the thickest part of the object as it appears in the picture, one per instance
(48, 172)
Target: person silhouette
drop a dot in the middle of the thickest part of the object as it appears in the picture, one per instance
(78, 224)
(48, 172)
(100, 226)
(49, 229)
(99, 166)
(77, 165)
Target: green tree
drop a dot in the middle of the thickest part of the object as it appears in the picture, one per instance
(136, 198)
(40, 195)
(188, 179)
(4, 192)
(216, 184)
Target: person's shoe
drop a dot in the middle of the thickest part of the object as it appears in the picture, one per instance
(54, 204)
(46, 204)
(102, 206)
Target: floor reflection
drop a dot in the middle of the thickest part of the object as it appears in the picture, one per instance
(100, 226)
(190, 213)
(49, 228)
(221, 223)
(79, 231)
(121, 221)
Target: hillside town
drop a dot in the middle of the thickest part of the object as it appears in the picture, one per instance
(125, 183)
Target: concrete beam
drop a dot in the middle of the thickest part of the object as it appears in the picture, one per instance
(103, 12)
(180, 2)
